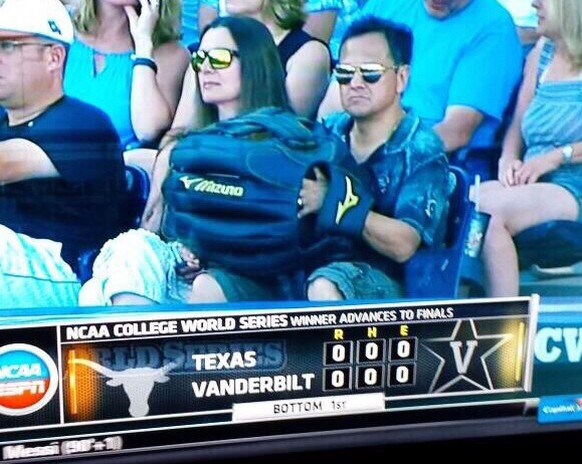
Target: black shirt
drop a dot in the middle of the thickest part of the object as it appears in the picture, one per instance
(292, 42)
(84, 206)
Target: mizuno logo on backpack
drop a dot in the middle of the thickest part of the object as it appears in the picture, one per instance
(199, 184)
(349, 201)
(231, 194)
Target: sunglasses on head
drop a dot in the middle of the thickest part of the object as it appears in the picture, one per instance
(370, 72)
(219, 58)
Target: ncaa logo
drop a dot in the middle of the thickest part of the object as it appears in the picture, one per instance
(28, 379)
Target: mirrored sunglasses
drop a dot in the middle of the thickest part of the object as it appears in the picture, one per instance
(218, 58)
(370, 72)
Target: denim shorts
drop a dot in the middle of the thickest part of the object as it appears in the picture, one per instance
(359, 281)
(240, 288)
(570, 178)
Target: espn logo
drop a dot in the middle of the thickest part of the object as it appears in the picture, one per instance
(28, 379)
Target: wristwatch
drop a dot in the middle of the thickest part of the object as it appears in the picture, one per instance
(567, 154)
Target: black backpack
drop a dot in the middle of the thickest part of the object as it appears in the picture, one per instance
(231, 195)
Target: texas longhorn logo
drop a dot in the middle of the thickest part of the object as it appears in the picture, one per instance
(138, 383)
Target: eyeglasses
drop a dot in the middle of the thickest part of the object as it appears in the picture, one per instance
(7, 47)
(371, 72)
(219, 58)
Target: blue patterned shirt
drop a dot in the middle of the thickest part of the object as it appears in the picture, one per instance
(410, 178)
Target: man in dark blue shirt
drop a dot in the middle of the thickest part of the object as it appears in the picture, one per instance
(61, 166)
(403, 162)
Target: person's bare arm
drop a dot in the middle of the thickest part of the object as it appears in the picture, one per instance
(154, 209)
(331, 101)
(22, 159)
(513, 141)
(307, 76)
(188, 113)
(154, 96)
(391, 237)
(458, 126)
(206, 15)
(321, 24)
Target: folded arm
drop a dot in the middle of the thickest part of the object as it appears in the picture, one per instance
(22, 159)
(458, 126)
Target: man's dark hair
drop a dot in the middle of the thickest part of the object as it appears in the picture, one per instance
(398, 36)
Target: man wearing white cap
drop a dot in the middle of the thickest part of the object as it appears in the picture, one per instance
(61, 168)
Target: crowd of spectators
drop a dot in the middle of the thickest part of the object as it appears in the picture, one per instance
(406, 84)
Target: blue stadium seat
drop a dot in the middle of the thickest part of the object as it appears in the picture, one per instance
(138, 189)
(478, 161)
(438, 272)
(550, 259)
(562, 238)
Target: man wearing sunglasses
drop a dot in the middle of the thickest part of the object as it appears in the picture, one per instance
(466, 63)
(60, 162)
(400, 200)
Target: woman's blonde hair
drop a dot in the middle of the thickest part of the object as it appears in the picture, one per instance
(166, 30)
(566, 16)
(289, 14)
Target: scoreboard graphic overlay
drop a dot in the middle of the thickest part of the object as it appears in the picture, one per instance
(182, 379)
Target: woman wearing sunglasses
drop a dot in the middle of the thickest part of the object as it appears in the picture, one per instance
(306, 60)
(126, 61)
(237, 70)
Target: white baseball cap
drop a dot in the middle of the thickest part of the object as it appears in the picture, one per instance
(45, 18)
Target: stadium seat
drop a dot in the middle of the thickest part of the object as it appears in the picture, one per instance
(438, 272)
(138, 189)
(478, 161)
(550, 258)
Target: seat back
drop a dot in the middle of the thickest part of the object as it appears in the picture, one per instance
(478, 161)
(550, 259)
(460, 209)
(561, 240)
(137, 192)
(437, 272)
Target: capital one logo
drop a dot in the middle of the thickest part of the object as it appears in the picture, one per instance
(28, 379)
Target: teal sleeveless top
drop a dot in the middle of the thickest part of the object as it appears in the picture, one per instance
(109, 90)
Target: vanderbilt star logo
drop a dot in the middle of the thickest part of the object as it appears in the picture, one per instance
(350, 201)
(463, 358)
